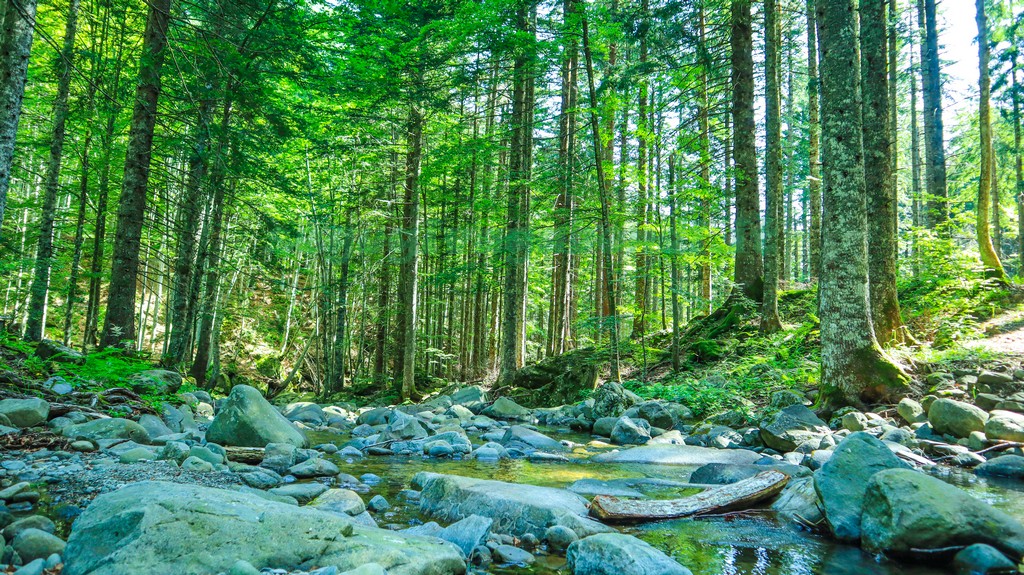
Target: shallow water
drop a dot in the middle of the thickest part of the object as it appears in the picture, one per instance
(754, 544)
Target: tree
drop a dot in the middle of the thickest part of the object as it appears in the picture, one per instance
(879, 149)
(15, 46)
(813, 144)
(989, 257)
(773, 250)
(44, 252)
(119, 325)
(854, 369)
(748, 267)
(934, 147)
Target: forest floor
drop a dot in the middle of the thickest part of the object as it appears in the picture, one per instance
(1003, 334)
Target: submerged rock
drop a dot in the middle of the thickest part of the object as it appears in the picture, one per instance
(248, 420)
(618, 554)
(519, 436)
(906, 512)
(158, 527)
(516, 509)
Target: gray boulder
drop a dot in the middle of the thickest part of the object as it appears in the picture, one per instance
(306, 412)
(519, 436)
(1011, 466)
(604, 426)
(468, 533)
(32, 544)
(956, 418)
(842, 480)
(51, 350)
(906, 512)
(516, 509)
(657, 414)
(790, 427)
(618, 554)
(248, 420)
(628, 431)
(27, 412)
(313, 467)
(147, 527)
(156, 380)
(981, 559)
(911, 411)
(506, 409)
(339, 502)
(403, 426)
(611, 399)
(154, 426)
(109, 428)
(1005, 425)
(799, 502)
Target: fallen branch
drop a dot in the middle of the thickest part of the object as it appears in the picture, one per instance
(248, 455)
(1001, 447)
(739, 495)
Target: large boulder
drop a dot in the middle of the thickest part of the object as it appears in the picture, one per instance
(657, 414)
(402, 426)
(561, 378)
(25, 412)
(52, 350)
(628, 431)
(156, 380)
(159, 527)
(519, 436)
(611, 399)
(1011, 466)
(248, 420)
(1005, 425)
(842, 480)
(306, 412)
(907, 512)
(505, 408)
(790, 427)
(618, 554)
(668, 454)
(108, 428)
(956, 418)
(516, 509)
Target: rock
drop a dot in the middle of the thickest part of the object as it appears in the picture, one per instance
(519, 436)
(467, 533)
(35, 567)
(377, 504)
(53, 351)
(339, 502)
(604, 426)
(301, 492)
(306, 412)
(618, 554)
(1005, 425)
(657, 414)
(248, 420)
(375, 416)
(956, 418)
(516, 509)
(799, 502)
(841, 482)
(314, 467)
(402, 426)
(32, 544)
(154, 426)
(160, 381)
(611, 399)
(1011, 466)
(260, 478)
(243, 567)
(667, 454)
(629, 431)
(855, 421)
(137, 454)
(504, 408)
(145, 527)
(197, 465)
(31, 522)
(790, 427)
(981, 559)
(279, 456)
(368, 569)
(438, 448)
(786, 398)
(509, 555)
(469, 395)
(906, 510)
(559, 538)
(725, 473)
(27, 412)
(210, 453)
(110, 428)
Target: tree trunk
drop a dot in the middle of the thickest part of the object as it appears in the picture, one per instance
(935, 152)
(773, 214)
(407, 278)
(748, 268)
(915, 166)
(51, 182)
(879, 149)
(854, 368)
(119, 325)
(1017, 156)
(813, 145)
(704, 220)
(15, 46)
(989, 258)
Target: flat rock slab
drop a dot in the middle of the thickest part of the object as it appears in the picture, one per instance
(516, 509)
(678, 455)
(160, 527)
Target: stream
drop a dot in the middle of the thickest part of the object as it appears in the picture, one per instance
(752, 543)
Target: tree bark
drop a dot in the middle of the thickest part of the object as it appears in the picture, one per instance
(119, 325)
(935, 152)
(813, 145)
(773, 247)
(15, 46)
(989, 258)
(748, 267)
(407, 278)
(854, 369)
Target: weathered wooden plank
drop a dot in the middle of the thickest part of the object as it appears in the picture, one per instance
(737, 495)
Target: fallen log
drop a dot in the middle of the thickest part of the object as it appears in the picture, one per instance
(739, 495)
(247, 455)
